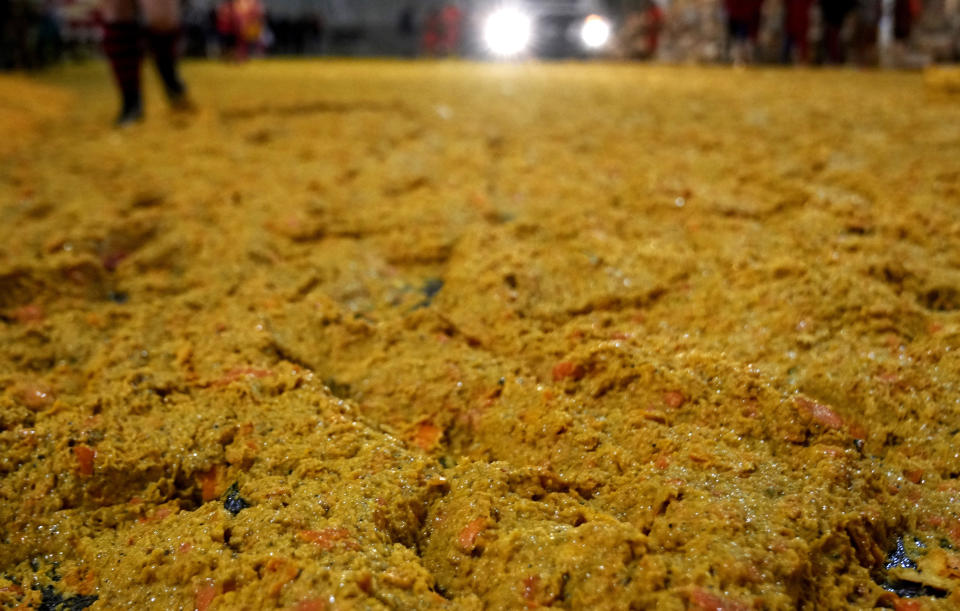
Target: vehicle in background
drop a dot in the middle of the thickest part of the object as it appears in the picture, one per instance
(485, 28)
(538, 28)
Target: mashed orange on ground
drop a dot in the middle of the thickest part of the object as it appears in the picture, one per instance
(441, 335)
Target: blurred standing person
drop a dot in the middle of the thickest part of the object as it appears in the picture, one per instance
(407, 30)
(834, 14)
(122, 38)
(653, 19)
(904, 14)
(49, 44)
(16, 29)
(196, 31)
(796, 31)
(432, 32)
(640, 35)
(743, 29)
(406, 25)
(248, 18)
(6, 34)
(450, 18)
(312, 27)
(867, 31)
(226, 29)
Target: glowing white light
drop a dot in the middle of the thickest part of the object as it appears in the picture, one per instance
(507, 32)
(595, 32)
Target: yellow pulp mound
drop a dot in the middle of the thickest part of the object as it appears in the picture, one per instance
(365, 335)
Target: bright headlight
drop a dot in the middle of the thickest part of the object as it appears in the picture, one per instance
(507, 32)
(595, 32)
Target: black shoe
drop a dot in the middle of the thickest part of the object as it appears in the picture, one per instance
(180, 102)
(129, 115)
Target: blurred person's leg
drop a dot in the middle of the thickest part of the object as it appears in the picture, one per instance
(731, 38)
(162, 19)
(803, 48)
(835, 52)
(121, 44)
(739, 41)
(797, 31)
(753, 37)
(800, 41)
(786, 51)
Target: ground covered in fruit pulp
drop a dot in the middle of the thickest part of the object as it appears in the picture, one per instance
(446, 335)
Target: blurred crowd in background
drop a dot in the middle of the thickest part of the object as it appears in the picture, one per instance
(902, 33)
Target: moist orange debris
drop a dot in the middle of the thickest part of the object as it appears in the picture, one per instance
(445, 335)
